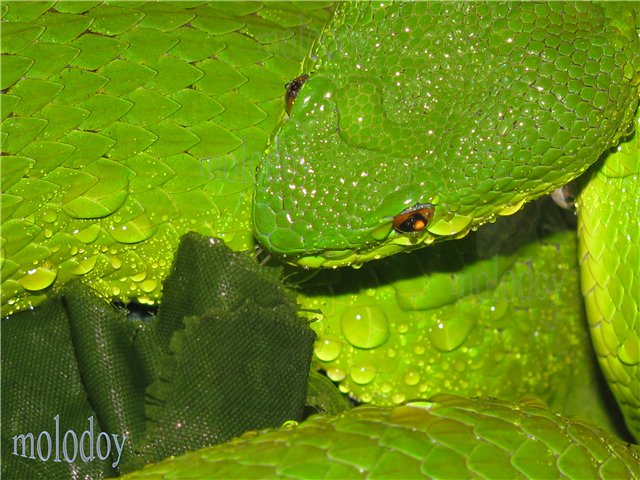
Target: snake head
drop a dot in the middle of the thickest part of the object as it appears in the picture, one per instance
(398, 141)
(324, 201)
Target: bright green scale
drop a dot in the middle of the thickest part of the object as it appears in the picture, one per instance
(112, 156)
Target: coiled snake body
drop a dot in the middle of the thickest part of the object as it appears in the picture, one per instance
(125, 126)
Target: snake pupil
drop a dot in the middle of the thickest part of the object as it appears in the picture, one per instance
(414, 219)
(293, 87)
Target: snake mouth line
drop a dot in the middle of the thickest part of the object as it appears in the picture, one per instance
(388, 238)
(342, 257)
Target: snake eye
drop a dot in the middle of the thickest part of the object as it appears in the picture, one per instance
(293, 87)
(413, 219)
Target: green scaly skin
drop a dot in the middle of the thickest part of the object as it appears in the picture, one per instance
(113, 153)
(609, 261)
(494, 439)
(105, 171)
(499, 116)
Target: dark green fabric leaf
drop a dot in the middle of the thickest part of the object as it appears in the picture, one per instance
(240, 363)
(117, 360)
(206, 276)
(41, 381)
(226, 354)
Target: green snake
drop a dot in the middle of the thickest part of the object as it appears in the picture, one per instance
(126, 125)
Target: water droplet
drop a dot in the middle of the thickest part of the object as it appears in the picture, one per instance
(145, 300)
(336, 374)
(344, 388)
(48, 233)
(49, 215)
(133, 231)
(85, 265)
(451, 332)
(38, 278)
(412, 377)
(363, 374)
(327, 349)
(365, 327)
(398, 398)
(139, 277)
(116, 262)
(149, 285)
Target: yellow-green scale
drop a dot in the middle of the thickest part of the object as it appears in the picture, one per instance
(609, 229)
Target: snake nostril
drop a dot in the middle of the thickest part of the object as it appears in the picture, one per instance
(293, 87)
(413, 219)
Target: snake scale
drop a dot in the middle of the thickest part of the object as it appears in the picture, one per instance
(128, 124)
